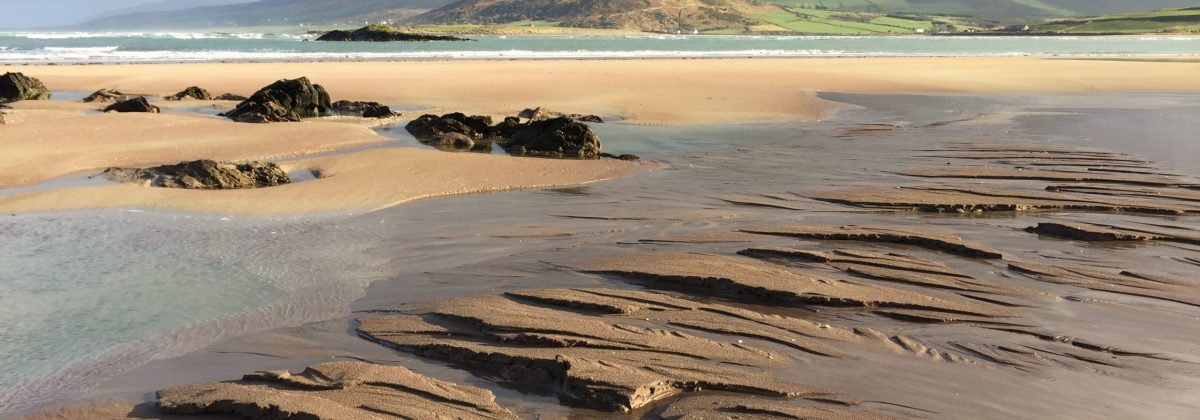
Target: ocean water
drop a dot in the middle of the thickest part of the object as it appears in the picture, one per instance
(137, 47)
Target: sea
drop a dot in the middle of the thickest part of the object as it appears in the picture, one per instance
(154, 47)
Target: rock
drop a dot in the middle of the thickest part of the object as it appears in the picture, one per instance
(283, 101)
(19, 87)
(383, 33)
(230, 97)
(429, 126)
(336, 390)
(138, 104)
(452, 141)
(558, 137)
(508, 127)
(620, 157)
(204, 175)
(539, 114)
(364, 109)
(265, 112)
(193, 92)
(106, 95)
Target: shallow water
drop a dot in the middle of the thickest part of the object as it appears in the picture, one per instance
(110, 290)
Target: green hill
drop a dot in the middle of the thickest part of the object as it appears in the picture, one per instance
(1161, 21)
(1021, 9)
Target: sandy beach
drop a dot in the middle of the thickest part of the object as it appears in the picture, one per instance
(867, 238)
(52, 139)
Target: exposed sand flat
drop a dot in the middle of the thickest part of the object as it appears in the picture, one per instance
(54, 139)
(643, 91)
(366, 180)
(338, 390)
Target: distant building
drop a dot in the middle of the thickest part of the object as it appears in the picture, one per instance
(1016, 28)
(919, 30)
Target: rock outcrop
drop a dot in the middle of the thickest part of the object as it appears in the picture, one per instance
(138, 104)
(193, 92)
(383, 33)
(337, 390)
(204, 175)
(539, 113)
(558, 137)
(19, 87)
(230, 97)
(106, 95)
(283, 101)
(364, 109)
(428, 126)
(452, 141)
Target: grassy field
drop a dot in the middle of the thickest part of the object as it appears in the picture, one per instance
(1162, 21)
(804, 20)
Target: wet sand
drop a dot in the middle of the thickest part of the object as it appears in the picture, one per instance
(920, 308)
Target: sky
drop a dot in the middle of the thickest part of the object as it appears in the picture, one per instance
(21, 14)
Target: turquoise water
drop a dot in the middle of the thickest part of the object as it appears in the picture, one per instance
(116, 47)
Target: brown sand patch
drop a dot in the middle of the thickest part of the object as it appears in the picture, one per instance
(752, 281)
(983, 199)
(932, 240)
(1125, 282)
(1048, 175)
(886, 267)
(714, 407)
(338, 390)
(599, 362)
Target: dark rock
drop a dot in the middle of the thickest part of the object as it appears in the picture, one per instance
(452, 141)
(193, 92)
(285, 100)
(138, 104)
(429, 126)
(539, 114)
(230, 97)
(507, 128)
(620, 157)
(364, 109)
(106, 95)
(19, 87)
(558, 137)
(204, 175)
(383, 33)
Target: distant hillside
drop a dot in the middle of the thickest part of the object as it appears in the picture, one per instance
(647, 15)
(1161, 21)
(269, 13)
(863, 17)
(1023, 9)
